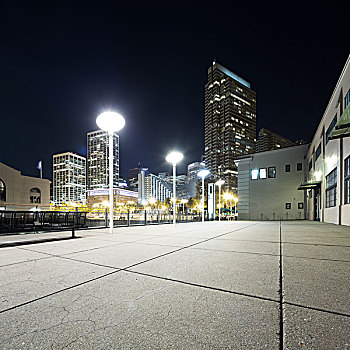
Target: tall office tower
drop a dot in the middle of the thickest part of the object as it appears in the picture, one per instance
(230, 123)
(98, 160)
(268, 141)
(69, 178)
(133, 177)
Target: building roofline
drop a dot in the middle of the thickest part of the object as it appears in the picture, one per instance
(347, 63)
(231, 74)
(272, 151)
(68, 152)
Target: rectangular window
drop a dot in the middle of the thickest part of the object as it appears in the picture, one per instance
(318, 151)
(255, 174)
(287, 168)
(330, 128)
(300, 205)
(299, 166)
(272, 172)
(331, 189)
(288, 205)
(347, 99)
(347, 180)
(262, 173)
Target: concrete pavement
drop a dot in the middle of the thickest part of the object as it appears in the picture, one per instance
(228, 285)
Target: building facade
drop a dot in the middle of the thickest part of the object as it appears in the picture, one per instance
(230, 123)
(268, 141)
(268, 185)
(98, 160)
(328, 159)
(152, 186)
(134, 177)
(69, 178)
(19, 192)
(100, 198)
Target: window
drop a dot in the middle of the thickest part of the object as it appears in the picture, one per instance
(347, 180)
(330, 128)
(272, 172)
(300, 205)
(318, 151)
(34, 195)
(288, 205)
(331, 189)
(262, 173)
(255, 174)
(310, 165)
(347, 99)
(287, 168)
(2, 191)
(299, 166)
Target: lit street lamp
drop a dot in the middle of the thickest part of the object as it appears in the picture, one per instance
(110, 122)
(219, 183)
(174, 158)
(203, 173)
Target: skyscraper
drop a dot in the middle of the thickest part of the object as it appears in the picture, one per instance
(69, 178)
(230, 123)
(97, 160)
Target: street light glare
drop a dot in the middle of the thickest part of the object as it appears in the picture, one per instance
(174, 157)
(203, 173)
(110, 121)
(219, 182)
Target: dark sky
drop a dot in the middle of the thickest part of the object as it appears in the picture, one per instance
(63, 63)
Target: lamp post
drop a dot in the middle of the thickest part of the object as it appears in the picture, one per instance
(219, 183)
(174, 158)
(235, 199)
(203, 173)
(110, 122)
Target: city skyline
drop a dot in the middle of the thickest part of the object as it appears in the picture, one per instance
(59, 75)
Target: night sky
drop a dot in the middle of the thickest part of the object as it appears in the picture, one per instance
(63, 63)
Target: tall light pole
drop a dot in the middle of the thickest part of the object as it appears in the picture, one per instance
(174, 158)
(110, 122)
(235, 199)
(219, 183)
(203, 173)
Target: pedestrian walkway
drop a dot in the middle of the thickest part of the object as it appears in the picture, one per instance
(228, 285)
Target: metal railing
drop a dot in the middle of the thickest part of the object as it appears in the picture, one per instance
(28, 221)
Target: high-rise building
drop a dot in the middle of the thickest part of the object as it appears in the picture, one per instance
(230, 123)
(268, 141)
(152, 186)
(69, 178)
(98, 160)
(134, 178)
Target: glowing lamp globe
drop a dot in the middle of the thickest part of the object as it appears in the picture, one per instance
(174, 157)
(110, 121)
(219, 182)
(203, 173)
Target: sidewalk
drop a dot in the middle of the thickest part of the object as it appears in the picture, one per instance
(195, 286)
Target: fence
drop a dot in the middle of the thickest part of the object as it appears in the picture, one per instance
(27, 221)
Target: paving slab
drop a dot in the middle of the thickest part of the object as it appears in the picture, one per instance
(240, 272)
(9, 256)
(122, 255)
(310, 329)
(317, 283)
(242, 246)
(136, 312)
(23, 282)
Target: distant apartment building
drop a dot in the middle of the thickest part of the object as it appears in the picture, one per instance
(134, 177)
(181, 186)
(98, 160)
(230, 123)
(268, 141)
(192, 176)
(69, 178)
(152, 186)
(20, 192)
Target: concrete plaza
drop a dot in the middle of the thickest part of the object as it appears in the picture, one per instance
(229, 285)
